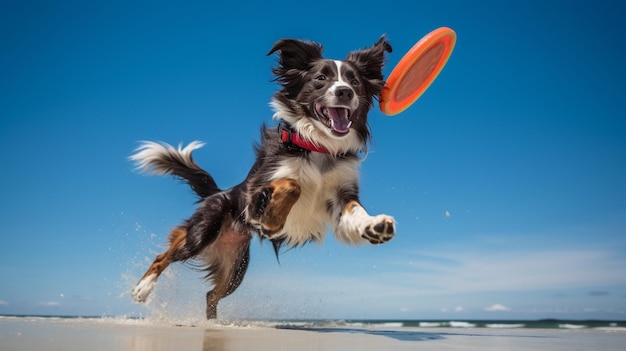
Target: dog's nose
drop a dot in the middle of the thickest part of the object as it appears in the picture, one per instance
(344, 93)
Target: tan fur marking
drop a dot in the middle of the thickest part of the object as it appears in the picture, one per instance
(177, 240)
(350, 206)
(285, 193)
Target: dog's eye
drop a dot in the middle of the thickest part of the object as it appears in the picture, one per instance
(321, 77)
(354, 82)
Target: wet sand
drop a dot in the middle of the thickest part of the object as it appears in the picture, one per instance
(104, 334)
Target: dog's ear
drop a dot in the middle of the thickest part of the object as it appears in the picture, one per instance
(295, 54)
(370, 62)
(295, 58)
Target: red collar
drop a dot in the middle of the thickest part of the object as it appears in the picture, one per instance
(294, 138)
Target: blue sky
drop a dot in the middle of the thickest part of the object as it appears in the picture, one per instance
(521, 139)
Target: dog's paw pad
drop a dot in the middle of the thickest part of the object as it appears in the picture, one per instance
(381, 231)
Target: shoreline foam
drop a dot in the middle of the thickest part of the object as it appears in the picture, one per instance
(31, 333)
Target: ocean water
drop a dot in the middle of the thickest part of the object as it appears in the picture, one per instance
(618, 326)
(461, 324)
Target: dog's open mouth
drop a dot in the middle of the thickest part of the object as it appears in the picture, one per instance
(335, 118)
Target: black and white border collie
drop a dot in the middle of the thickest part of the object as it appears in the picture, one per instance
(305, 179)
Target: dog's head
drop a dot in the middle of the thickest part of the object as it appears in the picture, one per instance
(327, 101)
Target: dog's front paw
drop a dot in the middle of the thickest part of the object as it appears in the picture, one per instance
(259, 207)
(270, 206)
(380, 230)
(260, 201)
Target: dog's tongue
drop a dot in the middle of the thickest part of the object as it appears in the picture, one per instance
(339, 119)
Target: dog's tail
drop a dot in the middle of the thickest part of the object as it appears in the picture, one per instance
(162, 158)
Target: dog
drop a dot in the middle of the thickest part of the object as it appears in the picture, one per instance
(305, 179)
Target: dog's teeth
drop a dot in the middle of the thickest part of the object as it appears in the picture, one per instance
(349, 124)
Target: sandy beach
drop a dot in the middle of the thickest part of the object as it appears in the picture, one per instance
(31, 333)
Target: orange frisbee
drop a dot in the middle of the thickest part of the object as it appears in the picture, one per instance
(416, 71)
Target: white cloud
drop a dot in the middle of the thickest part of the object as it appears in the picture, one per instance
(415, 281)
(412, 281)
(480, 271)
(497, 308)
(49, 304)
(3, 303)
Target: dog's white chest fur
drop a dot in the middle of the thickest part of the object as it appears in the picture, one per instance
(320, 177)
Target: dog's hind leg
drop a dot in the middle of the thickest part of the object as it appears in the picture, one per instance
(227, 261)
(185, 242)
(148, 281)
